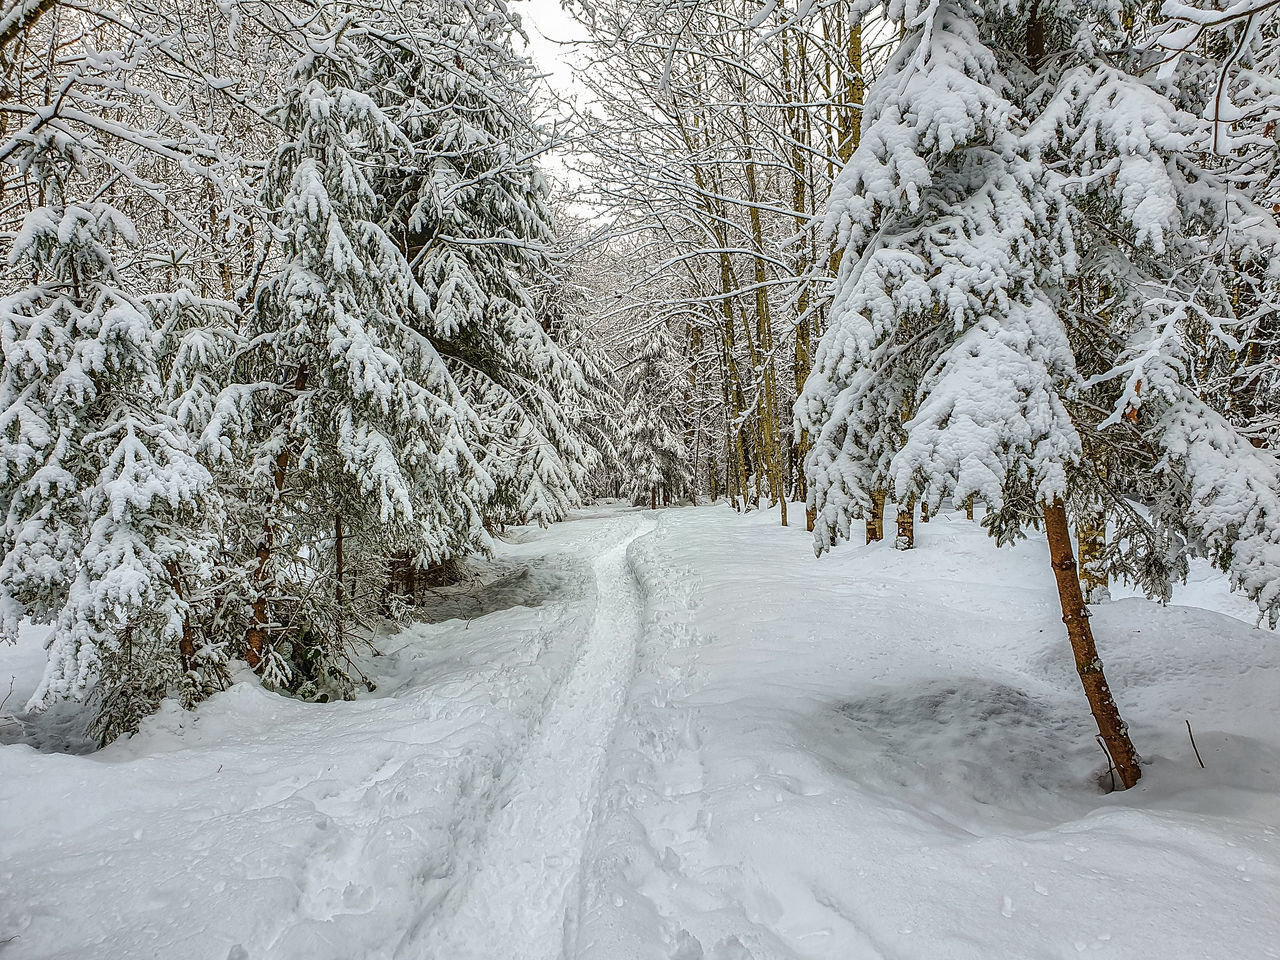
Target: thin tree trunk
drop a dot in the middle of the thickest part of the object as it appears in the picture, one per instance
(875, 522)
(906, 525)
(337, 558)
(1115, 734)
(398, 574)
(772, 459)
(924, 511)
(256, 636)
(968, 508)
(187, 643)
(695, 350)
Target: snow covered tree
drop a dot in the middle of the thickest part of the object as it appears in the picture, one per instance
(339, 401)
(384, 386)
(1010, 172)
(467, 205)
(652, 454)
(104, 503)
(1176, 252)
(566, 304)
(1232, 55)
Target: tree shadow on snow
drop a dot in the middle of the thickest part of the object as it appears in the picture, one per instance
(968, 749)
(491, 586)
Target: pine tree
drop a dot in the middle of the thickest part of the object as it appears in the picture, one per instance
(1015, 167)
(340, 403)
(652, 454)
(104, 503)
(468, 207)
(1171, 235)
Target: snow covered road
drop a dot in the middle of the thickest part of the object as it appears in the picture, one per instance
(678, 736)
(521, 889)
(442, 816)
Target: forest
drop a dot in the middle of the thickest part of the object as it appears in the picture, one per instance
(363, 378)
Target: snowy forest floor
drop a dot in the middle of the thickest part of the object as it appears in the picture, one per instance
(679, 736)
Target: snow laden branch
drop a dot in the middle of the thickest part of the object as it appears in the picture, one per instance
(1252, 42)
(283, 273)
(1042, 261)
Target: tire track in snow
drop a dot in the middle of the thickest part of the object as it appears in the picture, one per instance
(526, 871)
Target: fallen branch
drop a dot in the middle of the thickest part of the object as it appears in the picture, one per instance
(1193, 744)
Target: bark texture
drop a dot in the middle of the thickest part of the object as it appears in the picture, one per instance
(875, 522)
(1115, 734)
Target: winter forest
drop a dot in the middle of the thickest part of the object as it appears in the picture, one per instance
(605, 479)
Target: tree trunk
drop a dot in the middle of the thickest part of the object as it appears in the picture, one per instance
(924, 511)
(1076, 616)
(968, 508)
(906, 525)
(337, 560)
(875, 522)
(256, 636)
(694, 337)
(187, 644)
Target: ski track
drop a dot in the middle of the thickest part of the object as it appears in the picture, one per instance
(516, 902)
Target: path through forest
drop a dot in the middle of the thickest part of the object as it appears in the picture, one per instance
(679, 736)
(516, 899)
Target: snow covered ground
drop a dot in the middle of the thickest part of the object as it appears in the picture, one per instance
(679, 736)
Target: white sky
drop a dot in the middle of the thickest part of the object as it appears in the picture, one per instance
(549, 27)
(551, 30)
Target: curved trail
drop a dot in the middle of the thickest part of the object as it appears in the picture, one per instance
(527, 868)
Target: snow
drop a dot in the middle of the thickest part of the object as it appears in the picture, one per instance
(678, 735)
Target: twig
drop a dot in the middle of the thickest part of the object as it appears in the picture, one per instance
(1111, 766)
(8, 721)
(1193, 744)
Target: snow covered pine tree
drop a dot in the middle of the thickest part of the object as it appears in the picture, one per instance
(398, 395)
(999, 143)
(363, 409)
(101, 495)
(467, 206)
(339, 402)
(652, 454)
